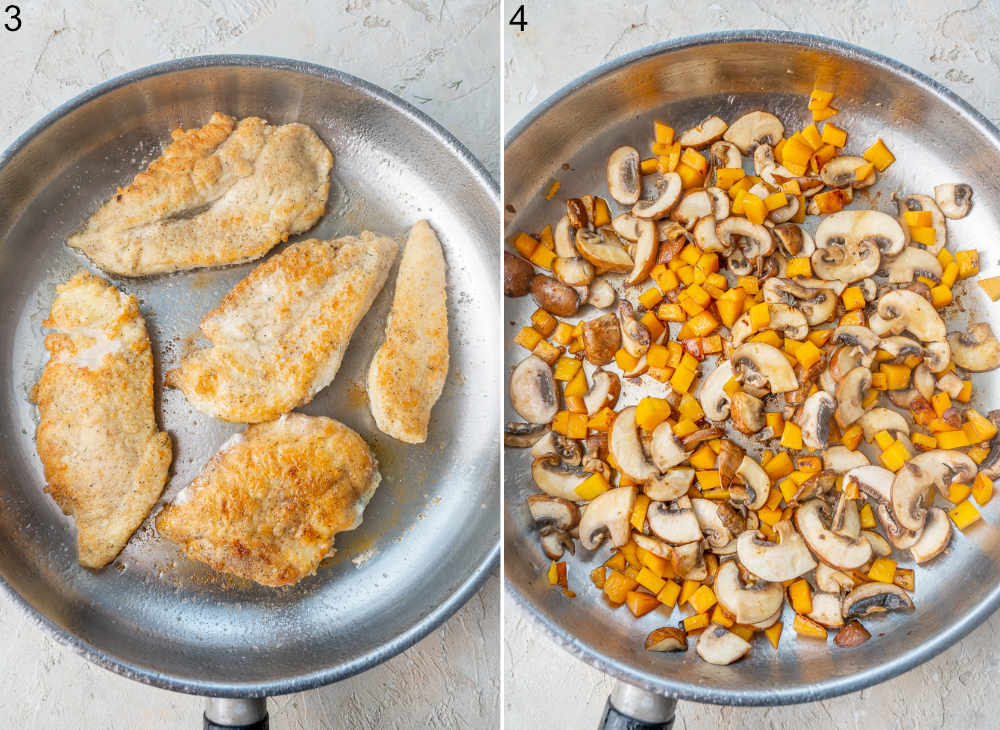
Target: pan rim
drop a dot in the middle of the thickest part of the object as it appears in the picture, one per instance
(826, 689)
(479, 572)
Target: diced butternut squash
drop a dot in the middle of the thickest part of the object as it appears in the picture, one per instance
(669, 593)
(895, 456)
(566, 368)
(525, 244)
(800, 596)
(617, 586)
(702, 599)
(805, 626)
(650, 581)
(754, 208)
(964, 514)
(879, 155)
(834, 135)
(791, 436)
(853, 298)
(968, 263)
(883, 570)
(958, 492)
(991, 286)
(726, 177)
(528, 337)
(773, 633)
(982, 489)
(697, 622)
(592, 486)
(651, 412)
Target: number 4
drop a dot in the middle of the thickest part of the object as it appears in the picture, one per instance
(518, 18)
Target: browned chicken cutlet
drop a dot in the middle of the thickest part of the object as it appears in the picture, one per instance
(104, 459)
(222, 194)
(268, 504)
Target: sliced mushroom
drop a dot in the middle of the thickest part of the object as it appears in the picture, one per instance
(602, 294)
(644, 255)
(664, 448)
(545, 446)
(555, 542)
(705, 236)
(707, 131)
(720, 202)
(827, 610)
(568, 450)
(841, 172)
(712, 396)
(847, 227)
(758, 364)
(954, 200)
(667, 638)
(555, 511)
(602, 338)
(831, 580)
(910, 263)
(841, 459)
(880, 546)
(635, 336)
(848, 263)
(845, 359)
(856, 336)
(728, 461)
(753, 129)
(853, 634)
(871, 598)
(834, 549)
(725, 155)
(671, 485)
(533, 390)
(747, 413)
(675, 522)
(754, 240)
(751, 486)
(815, 486)
(937, 467)
(624, 180)
(565, 239)
(749, 604)
(937, 358)
(817, 304)
(814, 419)
(883, 419)
(793, 240)
(668, 192)
(557, 479)
(786, 212)
(776, 562)
(934, 538)
(718, 521)
(517, 275)
(950, 384)
(694, 205)
(522, 435)
(906, 311)
(688, 561)
(851, 391)
(975, 349)
(573, 272)
(608, 514)
(925, 202)
(626, 448)
(718, 645)
(901, 347)
(604, 390)
(604, 250)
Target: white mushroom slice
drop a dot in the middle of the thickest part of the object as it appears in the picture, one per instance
(604, 390)
(635, 337)
(533, 390)
(608, 514)
(880, 546)
(845, 359)
(900, 347)
(975, 349)
(935, 537)
(817, 304)
(624, 180)
(667, 638)
(668, 191)
(954, 200)
(665, 449)
(754, 129)
(752, 484)
(937, 358)
(834, 549)
(713, 397)
(725, 155)
(522, 435)
(576, 271)
(814, 419)
(937, 467)
(706, 237)
(560, 513)
(602, 294)
(950, 384)
(748, 603)
(625, 225)
(747, 413)
(653, 545)
(545, 446)
(848, 263)
(854, 226)
(644, 255)
(718, 645)
(626, 448)
(707, 131)
(846, 518)
(831, 580)
(872, 598)
(793, 240)
(756, 239)
(671, 485)
(674, 523)
(604, 250)
(883, 419)
(720, 203)
(717, 520)
(910, 263)
(902, 310)
(856, 336)
(790, 322)
(694, 205)
(555, 542)
(758, 364)
(786, 212)
(827, 610)
(841, 459)
(688, 561)
(841, 172)
(565, 239)
(925, 202)
(776, 562)
(557, 479)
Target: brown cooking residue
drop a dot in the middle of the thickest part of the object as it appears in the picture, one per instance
(357, 396)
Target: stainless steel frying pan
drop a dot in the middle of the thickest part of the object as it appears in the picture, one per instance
(430, 535)
(936, 137)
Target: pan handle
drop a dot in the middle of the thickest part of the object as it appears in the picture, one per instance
(632, 708)
(223, 713)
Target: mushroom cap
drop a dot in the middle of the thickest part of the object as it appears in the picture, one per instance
(901, 311)
(834, 549)
(533, 390)
(749, 604)
(712, 396)
(935, 536)
(669, 188)
(764, 363)
(626, 448)
(937, 467)
(954, 199)
(854, 226)
(718, 645)
(869, 598)
(814, 419)
(775, 562)
(976, 349)
(624, 180)
(609, 514)
(754, 128)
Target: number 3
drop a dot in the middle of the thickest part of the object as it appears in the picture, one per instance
(15, 17)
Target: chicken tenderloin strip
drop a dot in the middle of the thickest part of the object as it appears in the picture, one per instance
(279, 336)
(222, 194)
(104, 459)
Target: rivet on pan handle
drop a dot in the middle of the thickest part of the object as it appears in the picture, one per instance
(223, 713)
(632, 708)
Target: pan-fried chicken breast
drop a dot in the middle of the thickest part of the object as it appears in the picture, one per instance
(278, 337)
(408, 371)
(222, 194)
(268, 504)
(104, 459)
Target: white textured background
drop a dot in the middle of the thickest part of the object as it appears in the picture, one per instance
(440, 55)
(957, 42)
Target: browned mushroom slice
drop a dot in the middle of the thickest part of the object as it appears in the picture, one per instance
(718, 645)
(832, 548)
(602, 338)
(872, 598)
(938, 468)
(604, 390)
(754, 129)
(954, 200)
(975, 349)
(747, 413)
(624, 180)
(853, 634)
(608, 514)
(670, 485)
(666, 638)
(669, 188)
(523, 435)
(554, 297)
(851, 391)
(603, 249)
(776, 562)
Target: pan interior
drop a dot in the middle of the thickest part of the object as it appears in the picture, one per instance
(431, 529)
(935, 140)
